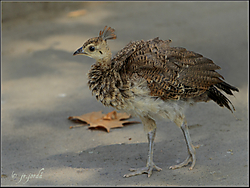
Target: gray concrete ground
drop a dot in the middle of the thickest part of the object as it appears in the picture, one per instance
(43, 84)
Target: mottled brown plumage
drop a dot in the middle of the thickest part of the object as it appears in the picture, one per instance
(152, 80)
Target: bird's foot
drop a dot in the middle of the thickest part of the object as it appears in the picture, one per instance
(190, 158)
(147, 170)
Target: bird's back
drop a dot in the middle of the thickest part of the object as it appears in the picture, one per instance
(172, 73)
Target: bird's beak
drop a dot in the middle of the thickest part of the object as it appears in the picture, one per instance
(79, 52)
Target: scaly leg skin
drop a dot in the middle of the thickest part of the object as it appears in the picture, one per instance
(150, 164)
(190, 147)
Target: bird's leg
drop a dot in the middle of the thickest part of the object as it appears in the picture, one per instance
(150, 164)
(191, 149)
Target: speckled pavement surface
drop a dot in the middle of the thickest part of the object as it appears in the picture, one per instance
(43, 84)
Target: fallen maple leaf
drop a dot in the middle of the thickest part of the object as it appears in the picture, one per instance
(100, 120)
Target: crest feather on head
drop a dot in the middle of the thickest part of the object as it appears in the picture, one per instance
(107, 33)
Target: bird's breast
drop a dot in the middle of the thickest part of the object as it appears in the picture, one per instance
(107, 87)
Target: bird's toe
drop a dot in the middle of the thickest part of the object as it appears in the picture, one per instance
(144, 170)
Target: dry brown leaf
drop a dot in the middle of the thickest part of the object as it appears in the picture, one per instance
(100, 120)
(77, 13)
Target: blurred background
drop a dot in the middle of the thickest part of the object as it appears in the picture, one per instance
(43, 84)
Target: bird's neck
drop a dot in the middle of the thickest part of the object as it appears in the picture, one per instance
(106, 60)
(105, 56)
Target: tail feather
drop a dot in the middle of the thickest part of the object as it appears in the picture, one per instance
(226, 87)
(219, 98)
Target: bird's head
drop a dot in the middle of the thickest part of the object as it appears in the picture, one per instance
(97, 47)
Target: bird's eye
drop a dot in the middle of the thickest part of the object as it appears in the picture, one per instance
(91, 48)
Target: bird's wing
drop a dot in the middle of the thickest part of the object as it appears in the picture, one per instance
(172, 72)
(128, 50)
